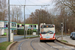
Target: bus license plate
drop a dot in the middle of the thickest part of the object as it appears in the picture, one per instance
(47, 37)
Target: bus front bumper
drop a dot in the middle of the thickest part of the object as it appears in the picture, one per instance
(47, 38)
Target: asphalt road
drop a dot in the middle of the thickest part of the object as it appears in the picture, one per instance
(16, 38)
(35, 44)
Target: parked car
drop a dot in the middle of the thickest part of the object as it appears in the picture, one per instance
(72, 35)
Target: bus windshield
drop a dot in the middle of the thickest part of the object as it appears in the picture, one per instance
(47, 30)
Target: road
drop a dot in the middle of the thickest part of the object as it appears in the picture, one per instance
(16, 38)
(35, 44)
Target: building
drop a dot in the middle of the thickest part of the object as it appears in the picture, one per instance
(4, 27)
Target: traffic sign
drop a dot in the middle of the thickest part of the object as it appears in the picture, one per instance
(1, 24)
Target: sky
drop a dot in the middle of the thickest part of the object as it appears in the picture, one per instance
(29, 9)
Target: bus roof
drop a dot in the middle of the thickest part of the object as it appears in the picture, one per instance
(49, 24)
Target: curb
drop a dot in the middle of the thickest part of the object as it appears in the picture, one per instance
(32, 38)
(8, 48)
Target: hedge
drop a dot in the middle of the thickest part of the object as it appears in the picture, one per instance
(29, 32)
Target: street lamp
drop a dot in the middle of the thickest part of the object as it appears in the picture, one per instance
(38, 24)
(9, 20)
(24, 20)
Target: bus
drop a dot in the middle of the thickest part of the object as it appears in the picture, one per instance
(29, 26)
(47, 32)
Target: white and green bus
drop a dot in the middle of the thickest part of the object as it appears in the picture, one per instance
(29, 26)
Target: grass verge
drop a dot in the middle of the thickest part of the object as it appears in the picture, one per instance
(32, 37)
(63, 34)
(4, 45)
(63, 41)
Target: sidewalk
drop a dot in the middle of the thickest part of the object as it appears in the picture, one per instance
(68, 39)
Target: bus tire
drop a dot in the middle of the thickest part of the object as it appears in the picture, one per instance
(54, 41)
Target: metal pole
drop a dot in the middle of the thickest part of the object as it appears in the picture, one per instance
(32, 25)
(9, 20)
(52, 20)
(65, 27)
(38, 24)
(62, 33)
(24, 22)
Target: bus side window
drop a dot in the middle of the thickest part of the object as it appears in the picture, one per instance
(17, 25)
(6, 25)
(42, 30)
(30, 25)
(34, 25)
(22, 25)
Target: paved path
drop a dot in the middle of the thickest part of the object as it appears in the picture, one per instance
(35, 44)
(67, 38)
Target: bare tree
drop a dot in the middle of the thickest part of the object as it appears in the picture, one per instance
(3, 10)
(42, 15)
(16, 13)
(70, 4)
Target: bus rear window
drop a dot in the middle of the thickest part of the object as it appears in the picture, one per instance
(47, 30)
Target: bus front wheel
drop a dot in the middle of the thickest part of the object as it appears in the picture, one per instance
(54, 40)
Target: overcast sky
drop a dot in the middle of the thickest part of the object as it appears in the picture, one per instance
(30, 9)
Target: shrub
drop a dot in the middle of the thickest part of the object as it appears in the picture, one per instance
(29, 31)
